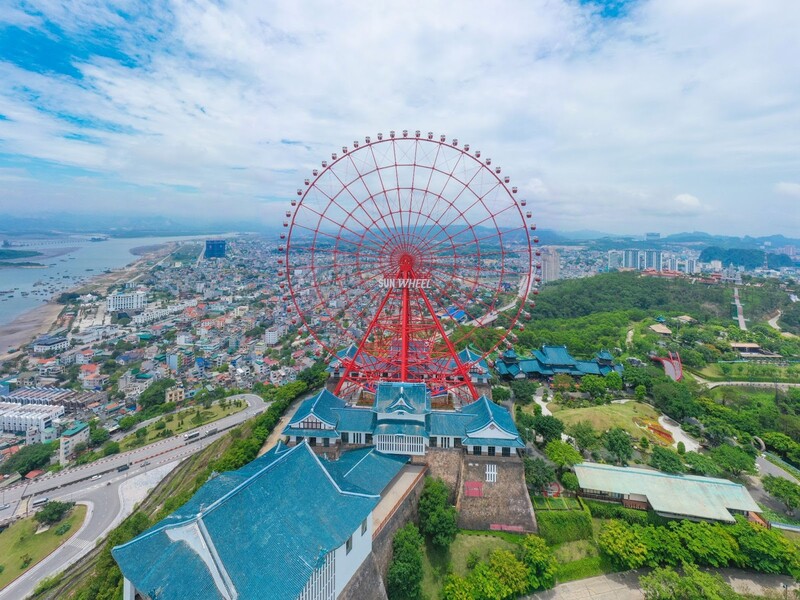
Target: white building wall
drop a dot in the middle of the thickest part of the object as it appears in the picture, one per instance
(347, 563)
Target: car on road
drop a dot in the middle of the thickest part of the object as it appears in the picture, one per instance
(145, 463)
(5, 506)
(96, 477)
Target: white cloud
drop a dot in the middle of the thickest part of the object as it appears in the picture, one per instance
(606, 120)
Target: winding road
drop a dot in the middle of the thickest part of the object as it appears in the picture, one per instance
(111, 495)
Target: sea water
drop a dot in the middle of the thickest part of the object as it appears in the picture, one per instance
(81, 260)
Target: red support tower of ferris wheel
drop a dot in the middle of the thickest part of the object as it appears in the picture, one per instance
(398, 253)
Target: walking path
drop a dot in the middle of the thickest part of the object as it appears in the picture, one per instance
(678, 434)
(773, 322)
(625, 586)
(739, 310)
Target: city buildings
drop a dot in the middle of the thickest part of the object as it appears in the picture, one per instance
(78, 433)
(18, 418)
(48, 343)
(215, 249)
(125, 302)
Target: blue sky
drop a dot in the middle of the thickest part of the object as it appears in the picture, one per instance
(622, 116)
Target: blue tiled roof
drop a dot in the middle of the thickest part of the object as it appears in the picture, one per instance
(551, 360)
(554, 355)
(319, 433)
(485, 412)
(260, 531)
(355, 419)
(449, 423)
(512, 443)
(365, 470)
(321, 406)
(412, 398)
(400, 427)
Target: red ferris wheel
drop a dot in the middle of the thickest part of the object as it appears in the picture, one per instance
(397, 252)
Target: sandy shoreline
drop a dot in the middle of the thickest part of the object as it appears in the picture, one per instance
(41, 319)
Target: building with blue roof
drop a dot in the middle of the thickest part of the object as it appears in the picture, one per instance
(401, 421)
(289, 525)
(549, 361)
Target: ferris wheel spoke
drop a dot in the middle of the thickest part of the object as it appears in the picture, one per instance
(404, 200)
(359, 204)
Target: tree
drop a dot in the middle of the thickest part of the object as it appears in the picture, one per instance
(438, 520)
(141, 433)
(457, 588)
(540, 561)
(784, 490)
(665, 584)
(128, 422)
(666, 460)
(548, 427)
(502, 578)
(570, 481)
(733, 459)
(594, 385)
(111, 448)
(618, 443)
(640, 392)
(501, 394)
(538, 474)
(28, 458)
(702, 464)
(562, 454)
(621, 544)
(156, 393)
(563, 382)
(681, 448)
(523, 390)
(53, 512)
(404, 577)
(584, 433)
(98, 436)
(614, 381)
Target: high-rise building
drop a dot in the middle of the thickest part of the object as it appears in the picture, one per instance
(652, 259)
(215, 249)
(615, 259)
(631, 259)
(551, 265)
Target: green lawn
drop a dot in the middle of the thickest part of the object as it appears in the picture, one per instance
(543, 503)
(580, 559)
(750, 372)
(20, 540)
(607, 416)
(436, 564)
(181, 421)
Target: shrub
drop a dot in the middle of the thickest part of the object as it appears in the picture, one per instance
(53, 512)
(558, 526)
(607, 510)
(438, 520)
(404, 577)
(63, 528)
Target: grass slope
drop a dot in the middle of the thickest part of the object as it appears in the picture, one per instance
(20, 540)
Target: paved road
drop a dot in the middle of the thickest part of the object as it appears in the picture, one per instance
(767, 468)
(739, 310)
(764, 384)
(108, 497)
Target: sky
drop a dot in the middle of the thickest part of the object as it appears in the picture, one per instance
(618, 116)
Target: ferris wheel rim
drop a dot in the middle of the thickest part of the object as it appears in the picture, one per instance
(526, 276)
